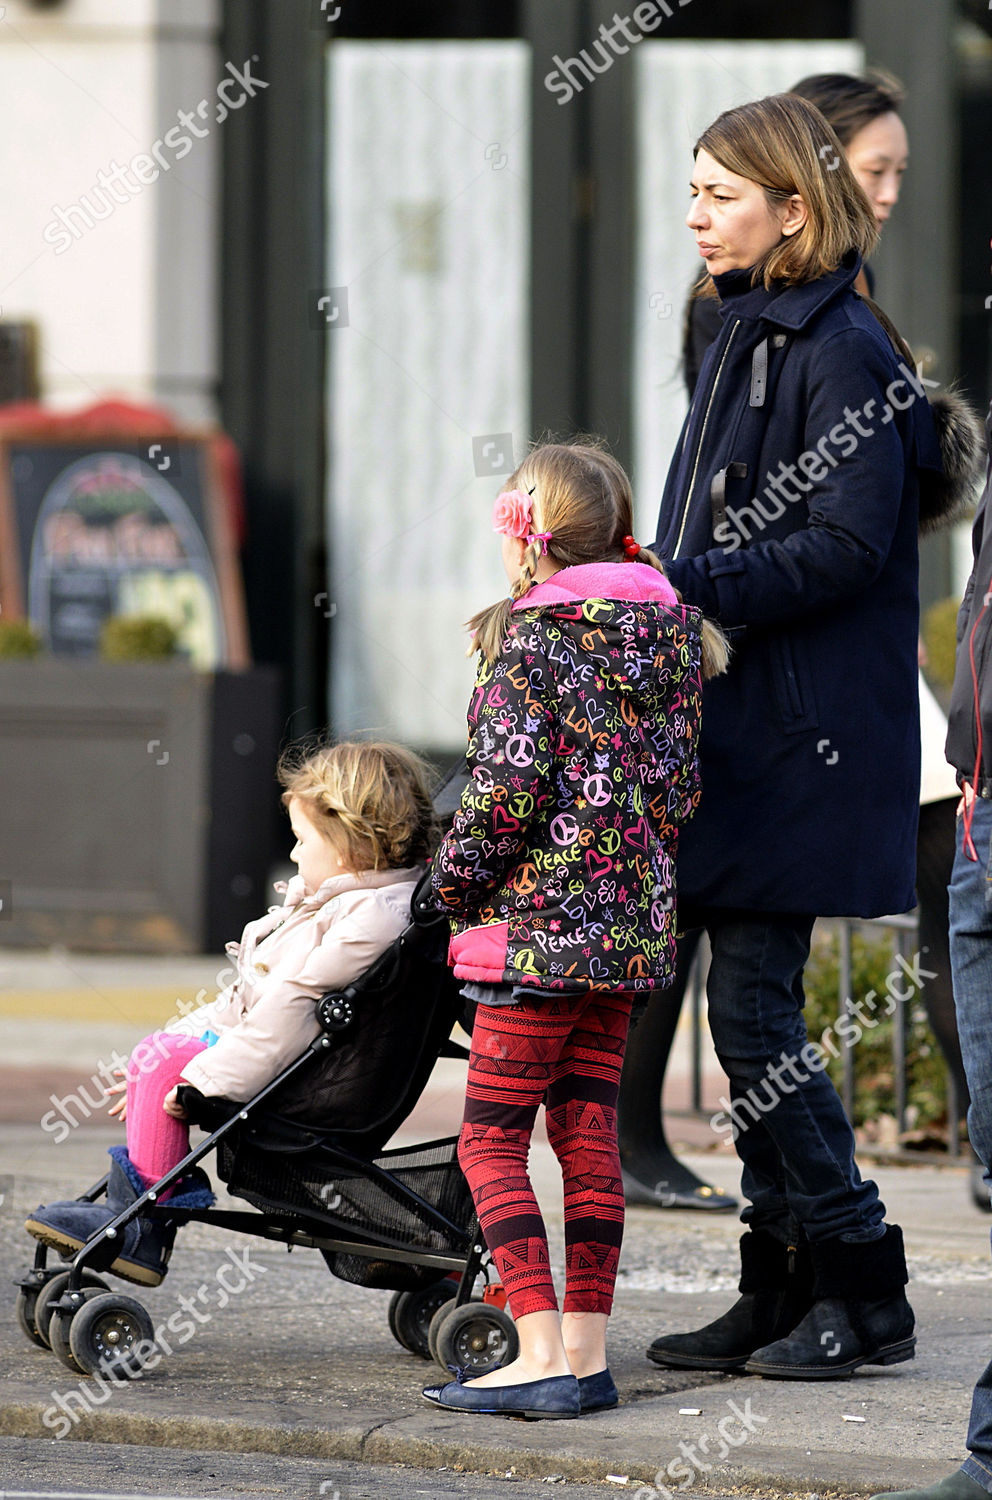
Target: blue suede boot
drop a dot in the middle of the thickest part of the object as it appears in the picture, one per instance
(144, 1245)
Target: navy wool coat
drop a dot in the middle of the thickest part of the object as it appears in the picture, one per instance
(790, 515)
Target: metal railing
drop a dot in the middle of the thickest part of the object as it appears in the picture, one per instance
(905, 930)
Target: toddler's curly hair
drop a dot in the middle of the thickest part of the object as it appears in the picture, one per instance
(372, 799)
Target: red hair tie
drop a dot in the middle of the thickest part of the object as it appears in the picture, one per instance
(630, 547)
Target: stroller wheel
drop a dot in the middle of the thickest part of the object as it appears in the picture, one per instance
(27, 1301)
(476, 1337)
(410, 1315)
(59, 1325)
(391, 1314)
(435, 1326)
(50, 1294)
(109, 1334)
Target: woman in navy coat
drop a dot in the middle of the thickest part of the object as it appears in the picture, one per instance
(790, 514)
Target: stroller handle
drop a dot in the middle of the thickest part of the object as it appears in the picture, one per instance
(422, 908)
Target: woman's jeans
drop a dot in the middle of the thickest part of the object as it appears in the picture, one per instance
(971, 968)
(790, 1130)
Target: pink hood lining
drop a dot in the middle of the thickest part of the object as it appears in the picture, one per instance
(628, 580)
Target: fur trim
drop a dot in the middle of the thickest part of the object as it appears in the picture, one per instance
(130, 1172)
(944, 498)
(193, 1191)
(860, 1271)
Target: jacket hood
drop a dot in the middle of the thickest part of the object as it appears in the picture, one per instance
(949, 450)
(626, 616)
(626, 580)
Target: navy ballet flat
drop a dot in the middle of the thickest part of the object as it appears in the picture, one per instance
(535, 1399)
(598, 1392)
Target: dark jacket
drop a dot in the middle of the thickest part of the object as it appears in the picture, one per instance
(974, 645)
(790, 514)
(559, 868)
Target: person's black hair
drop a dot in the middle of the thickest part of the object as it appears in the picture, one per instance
(849, 103)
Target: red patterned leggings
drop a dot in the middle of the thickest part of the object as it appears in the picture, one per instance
(567, 1050)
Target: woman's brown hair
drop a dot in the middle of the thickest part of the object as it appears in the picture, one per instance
(785, 145)
(582, 496)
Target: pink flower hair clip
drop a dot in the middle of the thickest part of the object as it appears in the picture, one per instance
(513, 516)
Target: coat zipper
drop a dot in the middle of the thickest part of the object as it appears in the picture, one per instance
(699, 448)
(792, 691)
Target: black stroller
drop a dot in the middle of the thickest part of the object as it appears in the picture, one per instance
(401, 1219)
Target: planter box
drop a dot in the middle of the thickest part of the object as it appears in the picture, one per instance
(110, 775)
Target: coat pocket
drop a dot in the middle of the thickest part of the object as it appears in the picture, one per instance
(479, 953)
(792, 684)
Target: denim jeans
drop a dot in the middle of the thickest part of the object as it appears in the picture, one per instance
(791, 1133)
(971, 970)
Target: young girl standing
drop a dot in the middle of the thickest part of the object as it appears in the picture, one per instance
(363, 823)
(559, 876)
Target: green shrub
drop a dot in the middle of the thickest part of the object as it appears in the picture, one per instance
(872, 962)
(18, 640)
(939, 633)
(137, 638)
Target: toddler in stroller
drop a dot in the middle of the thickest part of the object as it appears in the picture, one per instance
(363, 821)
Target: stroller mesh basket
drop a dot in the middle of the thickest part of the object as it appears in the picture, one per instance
(383, 1275)
(341, 1198)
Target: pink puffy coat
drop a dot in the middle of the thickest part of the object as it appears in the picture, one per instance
(284, 962)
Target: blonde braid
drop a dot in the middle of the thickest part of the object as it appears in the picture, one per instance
(528, 572)
(381, 842)
(490, 625)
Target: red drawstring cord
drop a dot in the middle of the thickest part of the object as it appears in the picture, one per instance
(968, 846)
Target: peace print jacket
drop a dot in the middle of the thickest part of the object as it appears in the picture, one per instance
(560, 864)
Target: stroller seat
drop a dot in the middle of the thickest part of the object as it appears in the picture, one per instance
(317, 1147)
(380, 1038)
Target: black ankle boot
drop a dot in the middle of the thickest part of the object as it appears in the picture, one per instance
(777, 1290)
(860, 1315)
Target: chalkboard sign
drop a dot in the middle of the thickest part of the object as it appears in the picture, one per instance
(132, 526)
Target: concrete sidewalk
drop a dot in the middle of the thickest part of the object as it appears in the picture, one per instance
(303, 1364)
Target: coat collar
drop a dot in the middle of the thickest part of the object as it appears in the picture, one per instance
(792, 307)
(295, 892)
(627, 580)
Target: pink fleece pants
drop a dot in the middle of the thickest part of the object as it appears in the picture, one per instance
(156, 1141)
